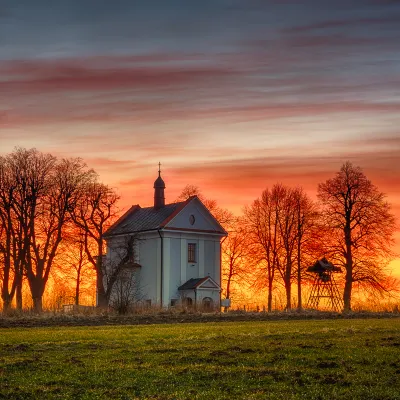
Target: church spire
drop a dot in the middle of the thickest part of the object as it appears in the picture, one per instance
(159, 186)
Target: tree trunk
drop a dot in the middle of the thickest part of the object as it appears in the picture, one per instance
(6, 304)
(288, 295)
(228, 289)
(37, 304)
(347, 291)
(18, 294)
(37, 294)
(299, 299)
(77, 292)
(349, 269)
(288, 284)
(269, 296)
(78, 283)
(102, 301)
(102, 298)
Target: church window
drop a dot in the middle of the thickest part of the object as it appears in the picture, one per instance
(188, 302)
(192, 252)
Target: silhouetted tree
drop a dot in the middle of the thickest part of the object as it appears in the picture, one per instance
(262, 226)
(287, 224)
(362, 228)
(235, 258)
(45, 192)
(280, 226)
(12, 247)
(73, 264)
(95, 212)
(308, 236)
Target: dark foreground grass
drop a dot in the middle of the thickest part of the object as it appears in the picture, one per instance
(341, 359)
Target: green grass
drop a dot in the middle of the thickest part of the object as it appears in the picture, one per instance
(328, 359)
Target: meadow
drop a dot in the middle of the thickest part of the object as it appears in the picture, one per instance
(320, 359)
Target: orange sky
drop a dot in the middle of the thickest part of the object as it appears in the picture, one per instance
(229, 96)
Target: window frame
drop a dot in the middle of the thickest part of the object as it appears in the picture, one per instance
(192, 252)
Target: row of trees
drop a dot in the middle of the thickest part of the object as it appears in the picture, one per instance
(54, 212)
(50, 209)
(284, 231)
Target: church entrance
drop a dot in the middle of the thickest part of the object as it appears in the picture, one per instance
(208, 304)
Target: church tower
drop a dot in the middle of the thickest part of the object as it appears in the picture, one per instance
(159, 186)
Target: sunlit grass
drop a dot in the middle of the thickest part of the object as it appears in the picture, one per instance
(340, 359)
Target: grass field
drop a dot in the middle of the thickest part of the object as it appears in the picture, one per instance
(328, 359)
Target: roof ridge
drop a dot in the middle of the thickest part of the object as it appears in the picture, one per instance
(169, 204)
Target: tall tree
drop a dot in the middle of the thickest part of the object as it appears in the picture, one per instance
(281, 225)
(262, 227)
(287, 224)
(235, 252)
(308, 230)
(46, 191)
(362, 228)
(12, 249)
(73, 264)
(94, 214)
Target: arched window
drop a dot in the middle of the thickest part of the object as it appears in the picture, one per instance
(188, 302)
(208, 303)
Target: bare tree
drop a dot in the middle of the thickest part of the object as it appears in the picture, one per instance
(45, 191)
(94, 214)
(235, 252)
(126, 291)
(287, 222)
(308, 234)
(362, 228)
(122, 272)
(10, 246)
(73, 264)
(281, 225)
(262, 226)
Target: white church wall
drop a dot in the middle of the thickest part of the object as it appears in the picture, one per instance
(150, 250)
(217, 262)
(209, 262)
(192, 268)
(175, 267)
(213, 294)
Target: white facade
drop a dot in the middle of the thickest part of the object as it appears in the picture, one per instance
(185, 246)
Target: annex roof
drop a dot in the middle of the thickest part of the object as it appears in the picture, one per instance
(200, 283)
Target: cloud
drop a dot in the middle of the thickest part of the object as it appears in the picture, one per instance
(47, 77)
(342, 23)
(237, 181)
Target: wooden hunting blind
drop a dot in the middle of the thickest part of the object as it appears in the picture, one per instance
(324, 286)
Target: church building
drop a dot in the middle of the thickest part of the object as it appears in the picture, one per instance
(176, 251)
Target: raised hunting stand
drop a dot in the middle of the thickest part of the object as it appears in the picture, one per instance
(324, 286)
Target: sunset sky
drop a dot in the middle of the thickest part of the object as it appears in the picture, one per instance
(230, 95)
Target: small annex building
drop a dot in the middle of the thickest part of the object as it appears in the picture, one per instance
(177, 251)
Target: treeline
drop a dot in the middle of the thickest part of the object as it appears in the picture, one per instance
(284, 231)
(50, 210)
(54, 212)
